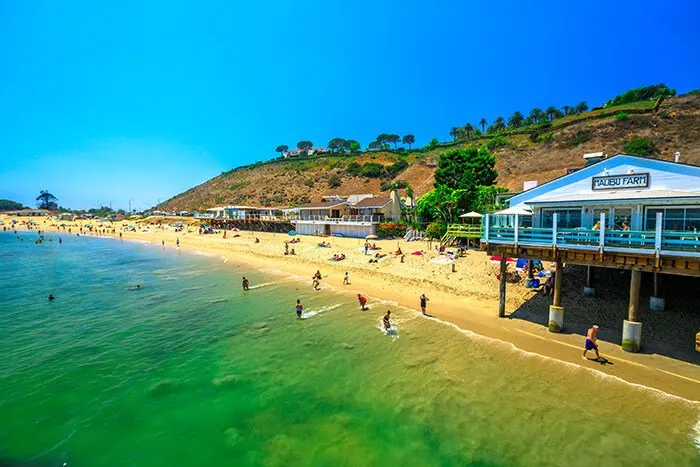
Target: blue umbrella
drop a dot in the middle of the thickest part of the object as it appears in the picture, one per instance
(292, 232)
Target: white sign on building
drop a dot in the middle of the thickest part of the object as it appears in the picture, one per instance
(616, 182)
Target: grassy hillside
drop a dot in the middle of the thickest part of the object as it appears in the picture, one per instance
(540, 153)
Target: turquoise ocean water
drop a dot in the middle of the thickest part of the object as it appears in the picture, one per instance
(189, 370)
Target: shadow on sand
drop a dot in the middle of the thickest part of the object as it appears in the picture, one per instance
(670, 333)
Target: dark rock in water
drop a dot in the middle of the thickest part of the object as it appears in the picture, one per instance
(259, 325)
(162, 388)
(347, 346)
(225, 381)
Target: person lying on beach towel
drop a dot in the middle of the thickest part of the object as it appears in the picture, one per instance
(418, 253)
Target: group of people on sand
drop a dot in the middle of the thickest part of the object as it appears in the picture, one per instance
(286, 249)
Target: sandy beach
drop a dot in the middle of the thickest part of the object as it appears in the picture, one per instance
(466, 298)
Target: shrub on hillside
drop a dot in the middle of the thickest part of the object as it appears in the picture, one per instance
(392, 229)
(436, 230)
(546, 138)
(496, 142)
(397, 185)
(372, 170)
(646, 93)
(395, 168)
(578, 138)
(639, 146)
(622, 116)
(354, 169)
(334, 181)
(433, 143)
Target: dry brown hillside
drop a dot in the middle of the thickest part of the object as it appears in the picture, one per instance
(674, 127)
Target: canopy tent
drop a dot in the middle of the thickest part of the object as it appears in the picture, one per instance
(513, 211)
(471, 214)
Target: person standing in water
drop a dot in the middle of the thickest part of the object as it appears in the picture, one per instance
(387, 320)
(591, 342)
(363, 301)
(245, 283)
(423, 303)
(299, 308)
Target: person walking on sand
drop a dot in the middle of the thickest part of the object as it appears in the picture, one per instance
(245, 283)
(366, 247)
(591, 342)
(423, 303)
(299, 308)
(177, 242)
(346, 279)
(363, 301)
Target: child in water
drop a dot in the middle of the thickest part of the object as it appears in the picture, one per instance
(299, 308)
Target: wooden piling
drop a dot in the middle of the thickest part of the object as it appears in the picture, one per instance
(502, 289)
(530, 273)
(557, 284)
(588, 276)
(635, 282)
(656, 284)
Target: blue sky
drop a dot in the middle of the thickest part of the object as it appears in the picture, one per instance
(106, 102)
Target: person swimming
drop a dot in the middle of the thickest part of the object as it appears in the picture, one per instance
(299, 308)
(387, 320)
(51, 297)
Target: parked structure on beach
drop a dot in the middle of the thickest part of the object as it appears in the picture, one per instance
(624, 212)
(355, 219)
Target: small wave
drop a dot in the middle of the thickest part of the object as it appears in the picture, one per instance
(217, 300)
(323, 309)
(696, 434)
(393, 330)
(203, 253)
(257, 286)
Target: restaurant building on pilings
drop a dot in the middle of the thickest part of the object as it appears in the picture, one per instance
(624, 212)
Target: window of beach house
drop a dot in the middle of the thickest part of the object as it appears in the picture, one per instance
(568, 218)
(596, 216)
(677, 219)
(621, 215)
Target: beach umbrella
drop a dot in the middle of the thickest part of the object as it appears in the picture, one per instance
(292, 233)
(471, 214)
(371, 237)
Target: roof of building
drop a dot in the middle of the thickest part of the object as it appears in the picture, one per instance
(595, 169)
(615, 196)
(322, 204)
(372, 203)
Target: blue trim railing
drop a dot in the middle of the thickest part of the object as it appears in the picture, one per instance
(657, 241)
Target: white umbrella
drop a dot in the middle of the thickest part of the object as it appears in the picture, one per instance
(513, 211)
(471, 214)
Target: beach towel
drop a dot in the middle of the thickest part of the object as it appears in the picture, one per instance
(417, 253)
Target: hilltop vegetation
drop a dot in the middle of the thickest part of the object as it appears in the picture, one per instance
(540, 151)
(9, 205)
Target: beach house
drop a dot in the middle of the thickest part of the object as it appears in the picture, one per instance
(343, 218)
(625, 212)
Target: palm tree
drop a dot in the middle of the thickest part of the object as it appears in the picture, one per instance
(499, 124)
(409, 139)
(469, 130)
(516, 120)
(282, 148)
(550, 112)
(456, 133)
(47, 200)
(566, 110)
(536, 115)
(581, 107)
(483, 123)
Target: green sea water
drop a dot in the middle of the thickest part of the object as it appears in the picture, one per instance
(190, 370)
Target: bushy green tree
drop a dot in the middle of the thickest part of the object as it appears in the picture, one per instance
(353, 146)
(372, 170)
(374, 145)
(645, 93)
(46, 200)
(335, 144)
(640, 146)
(516, 120)
(282, 148)
(465, 169)
(305, 144)
(8, 205)
(393, 139)
(409, 140)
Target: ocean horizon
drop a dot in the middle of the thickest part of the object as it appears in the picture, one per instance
(189, 369)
